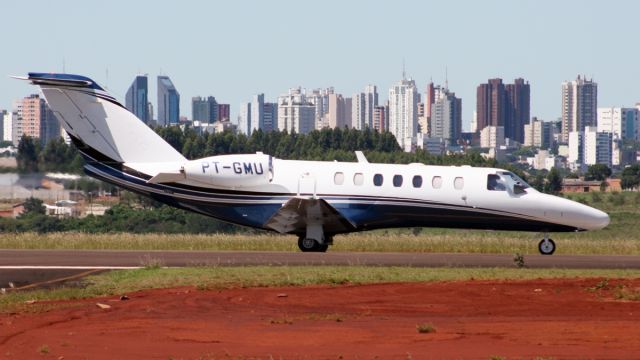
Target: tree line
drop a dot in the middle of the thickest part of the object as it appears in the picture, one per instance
(326, 144)
(122, 217)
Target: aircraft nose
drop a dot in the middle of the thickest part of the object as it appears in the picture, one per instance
(598, 219)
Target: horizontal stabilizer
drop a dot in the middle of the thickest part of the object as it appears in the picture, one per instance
(167, 177)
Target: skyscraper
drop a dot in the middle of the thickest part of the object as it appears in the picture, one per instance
(579, 105)
(136, 99)
(446, 115)
(204, 109)
(362, 107)
(403, 112)
(168, 102)
(518, 96)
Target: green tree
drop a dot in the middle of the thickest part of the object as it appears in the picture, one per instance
(630, 177)
(598, 172)
(553, 184)
(27, 157)
(33, 206)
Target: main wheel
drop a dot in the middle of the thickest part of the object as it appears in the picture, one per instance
(546, 247)
(311, 245)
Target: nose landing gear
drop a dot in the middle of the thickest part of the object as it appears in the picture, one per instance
(546, 246)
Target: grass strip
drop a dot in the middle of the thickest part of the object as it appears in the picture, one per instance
(127, 281)
(601, 242)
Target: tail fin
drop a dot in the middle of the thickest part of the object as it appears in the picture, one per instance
(103, 128)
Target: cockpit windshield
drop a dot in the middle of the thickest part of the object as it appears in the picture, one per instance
(506, 180)
(516, 179)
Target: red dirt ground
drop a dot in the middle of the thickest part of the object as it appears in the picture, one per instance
(473, 319)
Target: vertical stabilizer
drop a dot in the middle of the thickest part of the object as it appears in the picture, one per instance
(103, 128)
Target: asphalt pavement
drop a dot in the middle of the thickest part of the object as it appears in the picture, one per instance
(31, 268)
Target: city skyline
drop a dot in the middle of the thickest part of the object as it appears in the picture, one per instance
(542, 46)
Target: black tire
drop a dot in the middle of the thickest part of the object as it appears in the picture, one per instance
(547, 248)
(311, 245)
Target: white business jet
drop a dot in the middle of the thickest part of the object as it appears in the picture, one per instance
(314, 200)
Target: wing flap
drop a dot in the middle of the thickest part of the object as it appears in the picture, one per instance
(297, 212)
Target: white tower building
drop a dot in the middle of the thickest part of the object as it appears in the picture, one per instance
(403, 112)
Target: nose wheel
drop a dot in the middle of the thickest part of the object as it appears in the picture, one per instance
(546, 246)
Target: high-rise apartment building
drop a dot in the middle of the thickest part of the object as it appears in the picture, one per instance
(597, 147)
(320, 99)
(622, 122)
(270, 114)
(136, 99)
(224, 112)
(504, 105)
(576, 147)
(339, 112)
(490, 104)
(168, 102)
(244, 118)
(430, 98)
(403, 112)
(539, 133)
(362, 107)
(204, 109)
(579, 105)
(296, 113)
(446, 115)
(35, 119)
(251, 117)
(7, 125)
(381, 118)
(518, 96)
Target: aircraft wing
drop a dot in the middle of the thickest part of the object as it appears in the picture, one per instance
(297, 212)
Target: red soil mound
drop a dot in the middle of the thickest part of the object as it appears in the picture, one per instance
(473, 319)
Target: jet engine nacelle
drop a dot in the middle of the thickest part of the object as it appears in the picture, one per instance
(232, 171)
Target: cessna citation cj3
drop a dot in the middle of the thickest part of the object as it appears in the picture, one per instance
(314, 200)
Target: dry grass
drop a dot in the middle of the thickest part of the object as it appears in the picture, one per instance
(429, 240)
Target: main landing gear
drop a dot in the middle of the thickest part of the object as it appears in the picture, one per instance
(546, 246)
(314, 240)
(311, 245)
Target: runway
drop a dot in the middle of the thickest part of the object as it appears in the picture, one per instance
(24, 268)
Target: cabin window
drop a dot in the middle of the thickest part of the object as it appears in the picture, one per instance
(377, 179)
(495, 183)
(436, 182)
(417, 181)
(397, 180)
(358, 179)
(458, 183)
(338, 178)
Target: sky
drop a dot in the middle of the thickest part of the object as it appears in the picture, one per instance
(234, 49)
